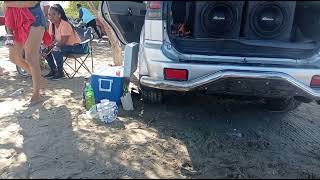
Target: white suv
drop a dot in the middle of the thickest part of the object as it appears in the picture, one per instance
(267, 49)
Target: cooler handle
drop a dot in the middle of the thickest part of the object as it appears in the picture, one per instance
(103, 89)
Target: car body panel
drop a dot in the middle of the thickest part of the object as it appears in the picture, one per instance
(156, 53)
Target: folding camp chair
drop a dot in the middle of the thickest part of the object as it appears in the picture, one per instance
(86, 37)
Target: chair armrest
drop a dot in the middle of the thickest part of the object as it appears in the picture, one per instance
(86, 41)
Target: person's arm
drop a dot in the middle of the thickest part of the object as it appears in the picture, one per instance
(63, 41)
(45, 7)
(21, 4)
(46, 11)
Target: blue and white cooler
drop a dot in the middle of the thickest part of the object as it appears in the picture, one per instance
(107, 83)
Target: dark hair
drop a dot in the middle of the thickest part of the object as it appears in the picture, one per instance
(60, 10)
(78, 5)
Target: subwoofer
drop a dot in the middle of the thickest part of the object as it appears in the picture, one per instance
(308, 19)
(217, 19)
(269, 20)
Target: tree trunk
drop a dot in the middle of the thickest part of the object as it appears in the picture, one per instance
(114, 42)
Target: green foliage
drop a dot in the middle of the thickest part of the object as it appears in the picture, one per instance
(72, 11)
(1, 8)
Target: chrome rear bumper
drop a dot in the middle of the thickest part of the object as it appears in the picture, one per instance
(305, 91)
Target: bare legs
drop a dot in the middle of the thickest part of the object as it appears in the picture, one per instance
(32, 59)
(15, 55)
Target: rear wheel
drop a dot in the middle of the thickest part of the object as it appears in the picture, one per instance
(282, 104)
(151, 96)
(22, 72)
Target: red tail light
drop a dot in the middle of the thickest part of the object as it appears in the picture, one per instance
(315, 82)
(154, 4)
(175, 74)
(154, 10)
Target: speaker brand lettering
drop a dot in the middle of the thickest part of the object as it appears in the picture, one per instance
(218, 18)
(267, 19)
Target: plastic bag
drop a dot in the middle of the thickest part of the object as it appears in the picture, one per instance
(126, 100)
(106, 111)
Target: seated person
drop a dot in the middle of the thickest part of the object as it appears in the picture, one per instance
(66, 41)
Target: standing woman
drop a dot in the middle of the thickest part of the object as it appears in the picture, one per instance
(32, 46)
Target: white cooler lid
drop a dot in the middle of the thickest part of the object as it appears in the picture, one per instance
(113, 71)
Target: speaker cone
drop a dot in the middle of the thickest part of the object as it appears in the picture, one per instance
(219, 19)
(268, 20)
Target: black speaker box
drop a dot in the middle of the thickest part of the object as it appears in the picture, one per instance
(269, 20)
(308, 19)
(217, 19)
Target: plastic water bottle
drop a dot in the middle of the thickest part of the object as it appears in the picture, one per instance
(17, 92)
(93, 113)
(89, 96)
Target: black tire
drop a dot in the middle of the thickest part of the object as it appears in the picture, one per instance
(281, 105)
(22, 72)
(151, 96)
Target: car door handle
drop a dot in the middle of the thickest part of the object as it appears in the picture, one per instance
(129, 11)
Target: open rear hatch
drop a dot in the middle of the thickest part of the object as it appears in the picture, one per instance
(269, 29)
(126, 18)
